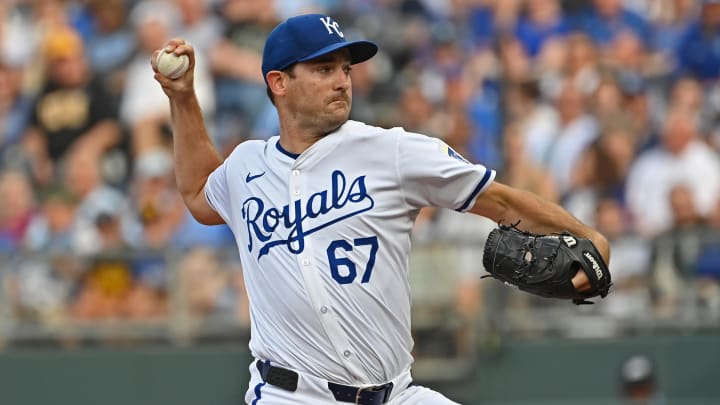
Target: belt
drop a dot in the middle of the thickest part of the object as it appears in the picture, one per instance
(288, 380)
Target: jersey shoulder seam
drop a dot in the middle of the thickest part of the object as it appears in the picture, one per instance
(398, 132)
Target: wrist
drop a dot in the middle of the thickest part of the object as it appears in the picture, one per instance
(183, 98)
(601, 244)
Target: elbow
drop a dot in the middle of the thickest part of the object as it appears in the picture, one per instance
(200, 210)
(493, 204)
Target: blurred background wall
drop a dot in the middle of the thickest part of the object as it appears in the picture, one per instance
(112, 293)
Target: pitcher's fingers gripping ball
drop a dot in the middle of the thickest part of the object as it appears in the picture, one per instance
(172, 65)
(545, 265)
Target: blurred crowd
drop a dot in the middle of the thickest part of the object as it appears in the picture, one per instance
(608, 107)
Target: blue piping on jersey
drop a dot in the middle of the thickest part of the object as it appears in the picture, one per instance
(257, 388)
(257, 392)
(284, 152)
(477, 189)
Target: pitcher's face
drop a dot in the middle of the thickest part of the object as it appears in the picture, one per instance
(319, 91)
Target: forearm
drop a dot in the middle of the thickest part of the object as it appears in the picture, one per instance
(194, 155)
(541, 216)
(507, 205)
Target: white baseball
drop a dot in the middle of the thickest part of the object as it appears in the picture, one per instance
(171, 65)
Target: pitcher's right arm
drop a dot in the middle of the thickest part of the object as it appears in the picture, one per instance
(194, 155)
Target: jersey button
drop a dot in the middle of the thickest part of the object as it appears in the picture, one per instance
(323, 309)
(347, 353)
(296, 172)
(297, 191)
(306, 262)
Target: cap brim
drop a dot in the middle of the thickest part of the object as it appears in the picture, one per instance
(360, 51)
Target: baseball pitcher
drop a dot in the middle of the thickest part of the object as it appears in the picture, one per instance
(322, 214)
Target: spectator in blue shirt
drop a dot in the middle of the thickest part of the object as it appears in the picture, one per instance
(699, 51)
(543, 20)
(607, 18)
(487, 19)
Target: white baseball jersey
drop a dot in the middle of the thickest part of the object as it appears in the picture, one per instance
(324, 239)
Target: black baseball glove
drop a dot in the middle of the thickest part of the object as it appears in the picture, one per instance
(544, 265)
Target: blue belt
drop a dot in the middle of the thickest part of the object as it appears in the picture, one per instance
(288, 380)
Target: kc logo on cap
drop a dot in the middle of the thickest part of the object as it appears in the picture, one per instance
(306, 37)
(331, 26)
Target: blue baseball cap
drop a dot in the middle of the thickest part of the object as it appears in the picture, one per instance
(306, 37)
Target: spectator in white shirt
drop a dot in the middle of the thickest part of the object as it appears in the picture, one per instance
(681, 158)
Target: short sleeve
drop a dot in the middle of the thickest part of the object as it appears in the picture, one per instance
(217, 192)
(433, 174)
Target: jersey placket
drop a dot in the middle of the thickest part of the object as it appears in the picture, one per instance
(314, 283)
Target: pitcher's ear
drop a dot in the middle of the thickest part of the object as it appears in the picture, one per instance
(276, 82)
